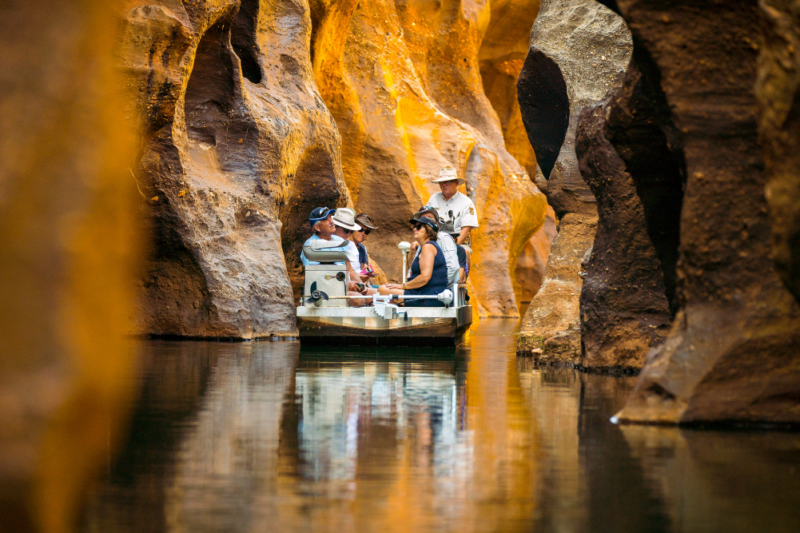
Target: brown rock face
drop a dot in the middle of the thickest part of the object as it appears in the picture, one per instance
(402, 80)
(630, 158)
(732, 352)
(579, 51)
(551, 328)
(237, 148)
(778, 93)
(68, 255)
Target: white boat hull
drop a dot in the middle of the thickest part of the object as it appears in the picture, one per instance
(425, 326)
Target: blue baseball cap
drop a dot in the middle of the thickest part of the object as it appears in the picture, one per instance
(320, 213)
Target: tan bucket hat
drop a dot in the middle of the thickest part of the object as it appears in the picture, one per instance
(346, 218)
(365, 221)
(448, 174)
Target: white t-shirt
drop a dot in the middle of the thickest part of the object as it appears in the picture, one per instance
(351, 252)
(460, 205)
(448, 246)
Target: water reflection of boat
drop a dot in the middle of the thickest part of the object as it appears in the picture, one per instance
(324, 317)
(355, 410)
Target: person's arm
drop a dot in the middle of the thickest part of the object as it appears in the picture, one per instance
(426, 259)
(464, 235)
(355, 278)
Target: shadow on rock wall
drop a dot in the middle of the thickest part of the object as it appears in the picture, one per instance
(732, 352)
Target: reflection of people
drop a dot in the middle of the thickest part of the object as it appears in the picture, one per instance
(453, 206)
(428, 271)
(360, 236)
(323, 225)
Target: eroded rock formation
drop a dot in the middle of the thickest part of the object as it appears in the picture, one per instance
(502, 54)
(403, 81)
(237, 148)
(778, 92)
(68, 257)
(731, 354)
(630, 157)
(579, 51)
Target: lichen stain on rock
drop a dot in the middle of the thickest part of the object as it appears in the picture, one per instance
(402, 80)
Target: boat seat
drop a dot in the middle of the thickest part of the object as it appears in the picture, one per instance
(320, 251)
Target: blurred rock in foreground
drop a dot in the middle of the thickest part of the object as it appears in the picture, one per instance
(68, 251)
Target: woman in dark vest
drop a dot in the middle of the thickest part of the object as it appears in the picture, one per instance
(428, 271)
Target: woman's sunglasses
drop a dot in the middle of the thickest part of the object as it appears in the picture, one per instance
(365, 231)
(418, 227)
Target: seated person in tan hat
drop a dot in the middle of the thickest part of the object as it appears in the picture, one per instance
(345, 225)
(453, 206)
(359, 236)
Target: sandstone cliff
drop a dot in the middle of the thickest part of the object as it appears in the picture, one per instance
(253, 113)
(237, 148)
(403, 81)
(579, 50)
(731, 354)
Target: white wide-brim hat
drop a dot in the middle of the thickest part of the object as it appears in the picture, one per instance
(346, 218)
(448, 174)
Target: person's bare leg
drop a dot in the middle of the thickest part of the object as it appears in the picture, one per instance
(355, 302)
(386, 291)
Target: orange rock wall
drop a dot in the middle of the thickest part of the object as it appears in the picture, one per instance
(237, 148)
(403, 81)
(502, 53)
(68, 256)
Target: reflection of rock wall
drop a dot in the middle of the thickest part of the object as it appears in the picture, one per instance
(402, 80)
(237, 148)
(579, 50)
(68, 247)
(732, 351)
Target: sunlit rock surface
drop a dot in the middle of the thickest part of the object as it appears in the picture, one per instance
(403, 81)
(237, 148)
(502, 53)
(732, 352)
(579, 51)
(68, 256)
(630, 158)
(532, 261)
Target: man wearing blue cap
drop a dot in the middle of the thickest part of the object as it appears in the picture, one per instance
(321, 220)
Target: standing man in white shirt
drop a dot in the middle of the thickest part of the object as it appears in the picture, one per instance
(453, 206)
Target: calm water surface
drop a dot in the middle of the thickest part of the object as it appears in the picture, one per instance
(264, 437)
